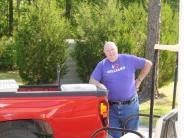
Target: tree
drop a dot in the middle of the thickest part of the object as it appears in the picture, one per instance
(68, 8)
(7, 54)
(3, 18)
(94, 27)
(41, 43)
(153, 38)
(97, 23)
(10, 28)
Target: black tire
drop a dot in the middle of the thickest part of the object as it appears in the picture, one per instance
(17, 133)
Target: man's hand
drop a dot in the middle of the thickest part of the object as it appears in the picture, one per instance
(97, 83)
(100, 85)
(143, 73)
(138, 83)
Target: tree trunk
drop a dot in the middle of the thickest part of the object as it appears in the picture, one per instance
(153, 38)
(18, 11)
(10, 29)
(68, 8)
(18, 8)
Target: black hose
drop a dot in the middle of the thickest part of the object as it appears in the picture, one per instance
(116, 129)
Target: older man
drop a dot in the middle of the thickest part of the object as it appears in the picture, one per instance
(117, 74)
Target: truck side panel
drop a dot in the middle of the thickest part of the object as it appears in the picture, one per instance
(69, 116)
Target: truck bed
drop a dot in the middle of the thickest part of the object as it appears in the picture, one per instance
(69, 111)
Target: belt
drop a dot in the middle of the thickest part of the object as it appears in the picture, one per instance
(123, 102)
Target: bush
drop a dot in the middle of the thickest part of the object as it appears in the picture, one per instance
(108, 22)
(169, 35)
(3, 18)
(134, 29)
(40, 43)
(7, 54)
(95, 26)
(166, 67)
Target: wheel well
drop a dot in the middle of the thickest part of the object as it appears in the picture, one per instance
(36, 126)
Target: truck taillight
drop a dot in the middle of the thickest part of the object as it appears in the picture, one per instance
(104, 112)
(103, 109)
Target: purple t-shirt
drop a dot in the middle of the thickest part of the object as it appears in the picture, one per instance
(119, 76)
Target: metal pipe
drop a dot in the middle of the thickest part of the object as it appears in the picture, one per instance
(59, 76)
(175, 83)
(152, 94)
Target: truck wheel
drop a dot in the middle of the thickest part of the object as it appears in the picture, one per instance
(17, 133)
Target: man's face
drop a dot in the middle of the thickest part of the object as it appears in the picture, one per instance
(111, 52)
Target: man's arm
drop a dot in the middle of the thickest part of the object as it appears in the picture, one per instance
(97, 83)
(143, 73)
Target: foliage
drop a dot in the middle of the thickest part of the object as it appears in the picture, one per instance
(95, 26)
(40, 43)
(169, 25)
(134, 29)
(7, 54)
(100, 23)
(41, 34)
(142, 3)
(3, 17)
(169, 35)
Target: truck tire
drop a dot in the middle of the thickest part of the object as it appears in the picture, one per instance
(17, 133)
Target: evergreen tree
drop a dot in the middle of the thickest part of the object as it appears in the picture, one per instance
(41, 43)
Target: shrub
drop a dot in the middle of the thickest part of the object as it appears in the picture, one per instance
(7, 54)
(169, 35)
(134, 29)
(3, 18)
(108, 22)
(40, 43)
(95, 26)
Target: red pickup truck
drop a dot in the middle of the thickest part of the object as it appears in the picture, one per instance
(49, 111)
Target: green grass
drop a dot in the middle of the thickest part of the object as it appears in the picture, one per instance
(10, 75)
(162, 105)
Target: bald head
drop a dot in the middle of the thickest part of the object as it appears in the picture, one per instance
(111, 51)
(110, 44)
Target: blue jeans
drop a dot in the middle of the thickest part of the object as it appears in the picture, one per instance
(118, 113)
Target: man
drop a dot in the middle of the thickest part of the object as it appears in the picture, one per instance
(117, 74)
